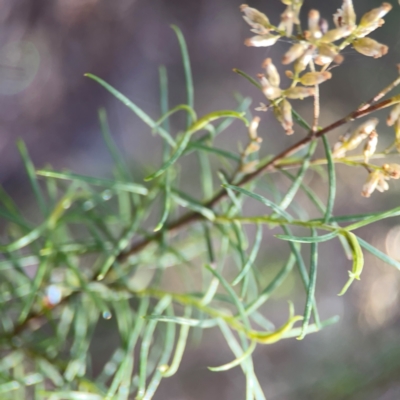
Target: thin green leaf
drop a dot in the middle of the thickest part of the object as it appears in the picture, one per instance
(309, 239)
(252, 256)
(187, 69)
(302, 270)
(377, 253)
(30, 169)
(311, 287)
(289, 196)
(248, 77)
(233, 295)
(184, 141)
(180, 347)
(214, 150)
(237, 361)
(185, 200)
(295, 332)
(112, 148)
(374, 218)
(275, 283)
(199, 323)
(166, 205)
(332, 180)
(358, 260)
(146, 341)
(184, 107)
(261, 199)
(109, 183)
(139, 112)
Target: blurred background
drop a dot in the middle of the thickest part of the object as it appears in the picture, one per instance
(46, 47)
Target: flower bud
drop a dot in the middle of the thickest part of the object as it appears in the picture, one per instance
(249, 167)
(315, 78)
(326, 54)
(375, 15)
(394, 115)
(254, 17)
(302, 62)
(283, 114)
(345, 16)
(375, 180)
(287, 21)
(296, 51)
(370, 47)
(370, 146)
(392, 170)
(336, 34)
(253, 128)
(271, 72)
(313, 24)
(270, 92)
(299, 92)
(262, 40)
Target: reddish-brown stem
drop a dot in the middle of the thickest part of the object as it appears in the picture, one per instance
(193, 216)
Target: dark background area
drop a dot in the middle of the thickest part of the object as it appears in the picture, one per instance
(47, 46)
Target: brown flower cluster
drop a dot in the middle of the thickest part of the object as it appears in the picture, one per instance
(318, 45)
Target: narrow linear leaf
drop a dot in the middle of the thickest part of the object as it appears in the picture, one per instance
(180, 347)
(295, 332)
(311, 287)
(237, 361)
(248, 77)
(332, 180)
(111, 146)
(275, 283)
(233, 295)
(379, 254)
(185, 200)
(184, 141)
(109, 183)
(30, 169)
(252, 256)
(276, 336)
(309, 239)
(199, 323)
(374, 218)
(180, 107)
(139, 112)
(214, 150)
(289, 196)
(358, 260)
(187, 69)
(262, 200)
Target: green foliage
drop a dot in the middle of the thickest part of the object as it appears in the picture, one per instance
(96, 261)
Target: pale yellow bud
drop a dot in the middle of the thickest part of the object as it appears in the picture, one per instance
(313, 24)
(253, 128)
(271, 72)
(270, 92)
(254, 17)
(336, 34)
(302, 62)
(287, 21)
(366, 128)
(262, 40)
(345, 16)
(299, 92)
(315, 78)
(252, 147)
(296, 51)
(375, 15)
(394, 115)
(370, 47)
(370, 146)
(375, 180)
(392, 170)
(284, 115)
(326, 54)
